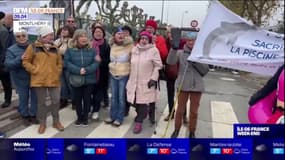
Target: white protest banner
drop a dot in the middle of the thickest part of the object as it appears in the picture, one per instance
(10, 6)
(228, 40)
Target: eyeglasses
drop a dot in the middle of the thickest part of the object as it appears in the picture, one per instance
(23, 36)
(144, 38)
(98, 32)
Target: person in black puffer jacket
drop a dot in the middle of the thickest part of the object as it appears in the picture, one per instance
(4, 74)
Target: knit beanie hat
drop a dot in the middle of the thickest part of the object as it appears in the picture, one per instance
(43, 31)
(117, 29)
(147, 34)
(191, 35)
(151, 23)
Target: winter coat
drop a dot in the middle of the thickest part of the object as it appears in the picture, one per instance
(44, 65)
(13, 62)
(171, 71)
(193, 81)
(145, 63)
(77, 58)
(160, 44)
(3, 41)
(104, 65)
(11, 38)
(120, 57)
(61, 44)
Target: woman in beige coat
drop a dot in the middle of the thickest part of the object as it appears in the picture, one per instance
(142, 84)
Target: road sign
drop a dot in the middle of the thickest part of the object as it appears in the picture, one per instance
(194, 23)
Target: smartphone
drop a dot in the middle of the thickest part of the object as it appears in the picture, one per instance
(179, 33)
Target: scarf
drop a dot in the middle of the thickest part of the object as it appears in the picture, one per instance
(95, 44)
(187, 49)
(23, 45)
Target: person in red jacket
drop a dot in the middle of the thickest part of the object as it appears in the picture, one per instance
(158, 40)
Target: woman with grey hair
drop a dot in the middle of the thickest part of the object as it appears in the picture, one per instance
(82, 62)
(21, 77)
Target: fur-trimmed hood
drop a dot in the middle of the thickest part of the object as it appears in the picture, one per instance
(127, 41)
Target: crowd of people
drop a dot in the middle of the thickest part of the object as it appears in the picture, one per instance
(69, 67)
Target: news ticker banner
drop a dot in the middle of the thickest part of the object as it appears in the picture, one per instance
(29, 15)
(237, 149)
(62, 149)
(142, 149)
(259, 131)
(27, 18)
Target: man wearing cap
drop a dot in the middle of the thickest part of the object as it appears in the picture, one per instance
(192, 85)
(4, 74)
(42, 60)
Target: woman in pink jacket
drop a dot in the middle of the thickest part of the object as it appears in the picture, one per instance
(142, 89)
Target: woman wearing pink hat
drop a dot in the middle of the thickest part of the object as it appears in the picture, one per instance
(142, 84)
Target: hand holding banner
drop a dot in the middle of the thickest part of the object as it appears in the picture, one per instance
(230, 41)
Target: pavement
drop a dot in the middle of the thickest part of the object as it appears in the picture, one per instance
(258, 80)
(223, 104)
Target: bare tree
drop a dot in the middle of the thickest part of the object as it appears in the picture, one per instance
(257, 11)
(109, 11)
(133, 16)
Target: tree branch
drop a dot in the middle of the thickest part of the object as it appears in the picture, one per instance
(250, 15)
(81, 3)
(117, 5)
(244, 6)
(98, 6)
(253, 4)
(103, 8)
(87, 7)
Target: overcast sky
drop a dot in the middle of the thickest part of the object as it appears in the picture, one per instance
(174, 11)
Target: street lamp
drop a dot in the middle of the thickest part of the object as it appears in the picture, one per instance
(182, 18)
(162, 11)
